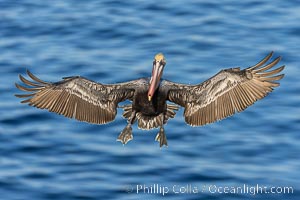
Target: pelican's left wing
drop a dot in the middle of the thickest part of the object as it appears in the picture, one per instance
(77, 97)
(230, 91)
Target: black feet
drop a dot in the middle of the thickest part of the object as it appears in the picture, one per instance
(161, 137)
(126, 135)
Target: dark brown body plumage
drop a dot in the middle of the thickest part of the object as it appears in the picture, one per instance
(149, 108)
(150, 114)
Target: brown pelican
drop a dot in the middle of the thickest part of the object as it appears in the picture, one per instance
(229, 91)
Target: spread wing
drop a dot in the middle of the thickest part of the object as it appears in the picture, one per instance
(230, 91)
(76, 97)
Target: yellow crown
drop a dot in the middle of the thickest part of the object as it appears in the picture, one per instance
(159, 56)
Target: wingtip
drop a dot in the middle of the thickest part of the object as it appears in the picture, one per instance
(282, 76)
(279, 58)
(33, 77)
(20, 87)
(28, 72)
(21, 77)
(17, 85)
(281, 68)
(272, 53)
(262, 62)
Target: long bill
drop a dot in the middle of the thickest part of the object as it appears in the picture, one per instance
(155, 79)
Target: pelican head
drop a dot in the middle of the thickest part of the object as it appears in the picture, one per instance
(157, 71)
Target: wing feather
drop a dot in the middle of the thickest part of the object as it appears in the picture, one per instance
(230, 91)
(76, 97)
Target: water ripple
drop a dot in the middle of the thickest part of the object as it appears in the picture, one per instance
(46, 156)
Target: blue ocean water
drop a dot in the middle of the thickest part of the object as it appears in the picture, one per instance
(46, 156)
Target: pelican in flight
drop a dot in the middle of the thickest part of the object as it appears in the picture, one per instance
(229, 91)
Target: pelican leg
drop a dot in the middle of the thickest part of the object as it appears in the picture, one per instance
(161, 137)
(126, 134)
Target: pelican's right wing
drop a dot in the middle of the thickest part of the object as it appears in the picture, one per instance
(229, 91)
(77, 97)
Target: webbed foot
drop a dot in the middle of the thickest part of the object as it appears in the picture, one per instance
(161, 137)
(126, 135)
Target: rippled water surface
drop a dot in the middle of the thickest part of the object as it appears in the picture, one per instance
(47, 156)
